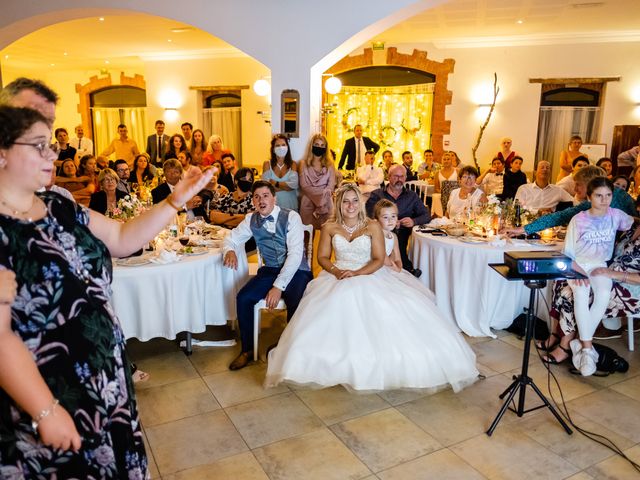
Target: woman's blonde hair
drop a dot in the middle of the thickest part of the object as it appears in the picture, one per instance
(327, 159)
(337, 203)
(107, 172)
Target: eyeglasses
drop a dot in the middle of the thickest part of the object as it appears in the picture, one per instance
(42, 147)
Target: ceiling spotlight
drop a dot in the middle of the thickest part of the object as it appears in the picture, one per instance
(333, 85)
(169, 40)
(107, 62)
(65, 54)
(101, 19)
(262, 87)
(519, 22)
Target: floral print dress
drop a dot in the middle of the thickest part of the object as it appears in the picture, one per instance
(63, 315)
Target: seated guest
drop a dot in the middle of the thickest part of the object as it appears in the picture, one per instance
(621, 200)
(229, 210)
(176, 145)
(122, 169)
(427, 169)
(281, 172)
(102, 162)
(506, 154)
(467, 196)
(106, 200)
(227, 175)
(411, 211)
(52, 187)
(634, 188)
(213, 191)
(541, 195)
(142, 171)
(80, 187)
(185, 160)
(65, 150)
(624, 270)
(628, 159)
(172, 174)
(89, 168)
(407, 162)
(215, 150)
(387, 161)
(514, 178)
(606, 164)
(285, 274)
(621, 182)
(369, 176)
(492, 180)
(568, 183)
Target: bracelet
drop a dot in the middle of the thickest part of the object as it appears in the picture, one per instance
(332, 267)
(625, 277)
(35, 421)
(173, 205)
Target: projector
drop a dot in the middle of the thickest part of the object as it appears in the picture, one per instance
(537, 263)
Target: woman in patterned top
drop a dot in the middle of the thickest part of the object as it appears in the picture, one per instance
(231, 208)
(67, 405)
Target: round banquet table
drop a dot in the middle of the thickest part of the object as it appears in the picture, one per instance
(468, 292)
(162, 300)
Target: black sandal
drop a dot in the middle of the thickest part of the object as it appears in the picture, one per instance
(551, 360)
(540, 345)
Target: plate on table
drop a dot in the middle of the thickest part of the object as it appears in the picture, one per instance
(192, 251)
(472, 240)
(132, 261)
(542, 243)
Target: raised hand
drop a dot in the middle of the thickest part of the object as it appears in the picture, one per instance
(190, 185)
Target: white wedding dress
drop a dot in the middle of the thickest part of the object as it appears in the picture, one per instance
(370, 332)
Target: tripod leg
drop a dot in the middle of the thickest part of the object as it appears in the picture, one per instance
(508, 389)
(514, 389)
(550, 407)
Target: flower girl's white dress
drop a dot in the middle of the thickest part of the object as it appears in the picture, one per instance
(370, 332)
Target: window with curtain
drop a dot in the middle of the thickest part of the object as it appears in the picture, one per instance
(221, 116)
(396, 117)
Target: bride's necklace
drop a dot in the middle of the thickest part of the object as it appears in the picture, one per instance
(17, 213)
(351, 230)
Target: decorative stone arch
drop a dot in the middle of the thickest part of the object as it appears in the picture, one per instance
(95, 84)
(417, 60)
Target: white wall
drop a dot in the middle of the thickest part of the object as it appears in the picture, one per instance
(516, 113)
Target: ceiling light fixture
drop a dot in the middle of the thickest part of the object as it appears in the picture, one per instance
(107, 62)
(101, 19)
(519, 22)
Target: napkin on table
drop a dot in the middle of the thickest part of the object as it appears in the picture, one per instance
(165, 256)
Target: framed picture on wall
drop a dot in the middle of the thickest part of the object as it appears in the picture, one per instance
(595, 151)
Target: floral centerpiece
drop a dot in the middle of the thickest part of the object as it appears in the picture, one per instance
(127, 208)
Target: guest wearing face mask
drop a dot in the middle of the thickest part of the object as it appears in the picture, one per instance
(229, 210)
(281, 172)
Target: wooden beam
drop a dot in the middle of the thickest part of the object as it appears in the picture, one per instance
(221, 87)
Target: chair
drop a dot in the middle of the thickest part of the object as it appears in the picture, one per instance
(630, 334)
(262, 305)
(421, 187)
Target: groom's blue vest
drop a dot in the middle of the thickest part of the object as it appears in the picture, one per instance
(273, 246)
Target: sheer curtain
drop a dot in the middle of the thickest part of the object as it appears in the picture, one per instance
(225, 122)
(558, 124)
(106, 121)
(397, 118)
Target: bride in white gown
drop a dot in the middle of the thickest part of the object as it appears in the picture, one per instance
(364, 326)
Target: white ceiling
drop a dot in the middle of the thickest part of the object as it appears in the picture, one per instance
(124, 41)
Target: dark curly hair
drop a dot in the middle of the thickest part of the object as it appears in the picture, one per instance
(15, 121)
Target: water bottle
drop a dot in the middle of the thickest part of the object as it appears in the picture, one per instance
(518, 220)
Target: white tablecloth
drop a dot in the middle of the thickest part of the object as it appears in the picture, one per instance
(163, 300)
(469, 293)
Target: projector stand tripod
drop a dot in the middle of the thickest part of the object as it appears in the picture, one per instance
(523, 380)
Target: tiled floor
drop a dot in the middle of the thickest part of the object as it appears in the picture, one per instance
(202, 421)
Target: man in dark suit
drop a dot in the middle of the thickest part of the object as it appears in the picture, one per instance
(355, 148)
(157, 144)
(172, 173)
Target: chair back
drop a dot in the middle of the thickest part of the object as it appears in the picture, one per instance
(420, 187)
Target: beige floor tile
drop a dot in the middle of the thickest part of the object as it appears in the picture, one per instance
(446, 417)
(485, 393)
(243, 466)
(166, 368)
(213, 359)
(194, 441)
(272, 419)
(486, 371)
(615, 410)
(174, 401)
(441, 465)
(241, 386)
(138, 351)
(398, 397)
(630, 388)
(572, 386)
(335, 404)
(580, 476)
(316, 455)
(474, 340)
(617, 468)
(514, 341)
(510, 455)
(576, 448)
(153, 468)
(385, 439)
(498, 355)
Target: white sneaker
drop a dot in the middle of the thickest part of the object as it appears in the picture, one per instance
(576, 350)
(588, 360)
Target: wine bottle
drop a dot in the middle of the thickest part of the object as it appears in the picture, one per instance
(518, 221)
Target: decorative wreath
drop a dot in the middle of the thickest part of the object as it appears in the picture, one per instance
(385, 139)
(412, 131)
(345, 118)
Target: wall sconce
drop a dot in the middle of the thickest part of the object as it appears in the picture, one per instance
(262, 87)
(332, 85)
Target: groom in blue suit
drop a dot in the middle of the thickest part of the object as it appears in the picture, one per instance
(279, 236)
